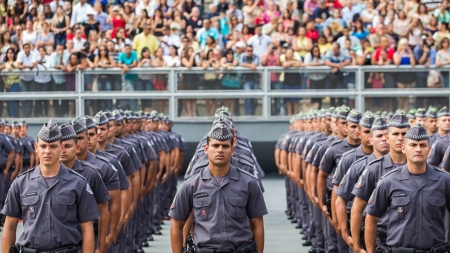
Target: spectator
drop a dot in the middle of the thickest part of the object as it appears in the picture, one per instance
(270, 28)
(422, 15)
(60, 24)
(335, 20)
(91, 47)
(78, 41)
(68, 8)
(165, 8)
(104, 60)
(54, 4)
(249, 11)
(368, 15)
(206, 31)
(384, 46)
(359, 31)
(415, 30)
(442, 13)
(145, 39)
(233, 11)
(346, 36)
(140, 22)
(145, 82)
(401, 25)
(213, 13)
(48, 14)
(250, 81)
(11, 81)
(147, 6)
(259, 42)
(302, 44)
(5, 42)
(210, 79)
(91, 24)
(272, 59)
(118, 20)
(424, 53)
(26, 60)
(190, 80)
(158, 23)
(195, 21)
(441, 33)
(404, 56)
(193, 42)
(3, 8)
(375, 39)
(222, 5)
(432, 27)
(45, 38)
(323, 45)
(309, 8)
(42, 82)
(37, 26)
(291, 80)
(79, 13)
(349, 11)
(59, 60)
(224, 24)
(230, 80)
(178, 20)
(130, 17)
(21, 8)
(159, 80)
(279, 37)
(127, 60)
(172, 60)
(316, 80)
(337, 58)
(311, 31)
(287, 21)
(320, 15)
(69, 47)
(442, 59)
(15, 39)
(29, 35)
(120, 40)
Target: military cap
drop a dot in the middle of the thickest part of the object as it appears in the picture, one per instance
(90, 122)
(398, 111)
(420, 113)
(329, 111)
(335, 112)
(23, 123)
(377, 114)
(443, 112)
(379, 124)
(160, 116)
(292, 119)
(367, 120)
(343, 112)
(67, 132)
(154, 115)
(354, 116)
(50, 132)
(432, 112)
(1, 121)
(79, 125)
(399, 121)
(321, 113)
(109, 115)
(388, 116)
(6, 122)
(220, 132)
(101, 119)
(411, 114)
(117, 115)
(14, 123)
(383, 114)
(417, 133)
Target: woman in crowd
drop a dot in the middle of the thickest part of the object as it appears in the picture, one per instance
(279, 37)
(422, 15)
(60, 25)
(316, 80)
(364, 57)
(104, 60)
(302, 45)
(187, 7)
(190, 81)
(48, 14)
(145, 80)
(139, 23)
(443, 59)
(37, 26)
(359, 31)
(291, 80)
(442, 13)
(401, 25)
(21, 8)
(404, 56)
(28, 35)
(235, 25)
(210, 79)
(415, 31)
(368, 15)
(5, 43)
(159, 80)
(117, 19)
(130, 16)
(91, 24)
(120, 40)
(230, 80)
(158, 23)
(441, 33)
(11, 81)
(177, 18)
(45, 38)
(166, 9)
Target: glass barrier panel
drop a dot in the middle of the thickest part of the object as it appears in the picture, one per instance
(206, 107)
(300, 79)
(39, 81)
(92, 106)
(412, 78)
(288, 106)
(219, 79)
(391, 104)
(38, 108)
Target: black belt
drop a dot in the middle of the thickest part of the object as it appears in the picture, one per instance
(407, 250)
(67, 249)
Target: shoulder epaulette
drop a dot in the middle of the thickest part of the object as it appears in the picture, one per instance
(244, 157)
(26, 172)
(246, 172)
(88, 164)
(348, 152)
(336, 142)
(76, 173)
(376, 160)
(361, 159)
(102, 158)
(117, 146)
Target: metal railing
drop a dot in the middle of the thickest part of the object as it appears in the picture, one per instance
(264, 93)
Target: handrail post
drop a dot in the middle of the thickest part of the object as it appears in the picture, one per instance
(172, 101)
(265, 100)
(359, 87)
(79, 79)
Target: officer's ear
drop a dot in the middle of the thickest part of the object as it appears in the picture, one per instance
(205, 148)
(403, 148)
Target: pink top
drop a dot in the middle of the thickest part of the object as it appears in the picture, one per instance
(376, 83)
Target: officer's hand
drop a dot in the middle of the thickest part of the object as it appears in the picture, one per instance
(316, 201)
(164, 178)
(5, 174)
(349, 240)
(360, 251)
(108, 242)
(13, 175)
(326, 213)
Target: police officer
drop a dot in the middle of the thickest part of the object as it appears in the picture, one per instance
(67, 157)
(442, 139)
(56, 204)
(431, 123)
(15, 168)
(29, 159)
(27, 147)
(414, 199)
(397, 128)
(227, 203)
(420, 116)
(411, 116)
(328, 165)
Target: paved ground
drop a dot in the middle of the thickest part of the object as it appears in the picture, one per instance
(281, 236)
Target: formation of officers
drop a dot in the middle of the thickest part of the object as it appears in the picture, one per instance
(220, 206)
(368, 182)
(95, 184)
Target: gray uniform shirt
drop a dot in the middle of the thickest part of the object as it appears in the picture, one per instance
(107, 171)
(348, 158)
(5, 148)
(415, 213)
(120, 170)
(222, 212)
(51, 215)
(122, 156)
(88, 171)
(438, 150)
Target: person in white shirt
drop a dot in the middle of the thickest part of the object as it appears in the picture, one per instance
(42, 82)
(79, 12)
(170, 38)
(78, 41)
(55, 4)
(26, 60)
(260, 42)
(146, 5)
(172, 60)
(346, 36)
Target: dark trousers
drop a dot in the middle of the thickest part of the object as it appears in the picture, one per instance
(61, 106)
(421, 82)
(27, 105)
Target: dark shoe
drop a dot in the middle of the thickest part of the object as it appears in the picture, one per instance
(320, 251)
(312, 250)
(290, 218)
(293, 221)
(307, 243)
(298, 226)
(141, 250)
(150, 238)
(286, 211)
(145, 245)
(148, 232)
(301, 232)
(157, 232)
(162, 222)
(166, 217)
(159, 228)
(304, 238)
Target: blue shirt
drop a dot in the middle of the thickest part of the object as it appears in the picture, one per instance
(101, 18)
(343, 56)
(361, 35)
(128, 61)
(213, 32)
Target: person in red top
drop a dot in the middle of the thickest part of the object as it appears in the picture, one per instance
(384, 46)
(334, 4)
(311, 31)
(272, 58)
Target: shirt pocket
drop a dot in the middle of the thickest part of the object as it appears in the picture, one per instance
(400, 207)
(238, 206)
(202, 208)
(30, 206)
(436, 207)
(64, 206)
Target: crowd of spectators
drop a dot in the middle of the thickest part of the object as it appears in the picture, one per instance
(220, 35)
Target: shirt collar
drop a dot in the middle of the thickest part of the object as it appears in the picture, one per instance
(232, 174)
(405, 174)
(63, 172)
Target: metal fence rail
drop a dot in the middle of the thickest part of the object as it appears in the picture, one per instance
(265, 93)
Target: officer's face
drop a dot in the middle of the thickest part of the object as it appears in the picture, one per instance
(364, 135)
(130, 126)
(395, 138)
(92, 140)
(23, 130)
(16, 131)
(112, 128)
(7, 130)
(82, 142)
(342, 127)
(143, 124)
(48, 153)
(135, 125)
(379, 141)
(431, 124)
(148, 125)
(69, 151)
(102, 133)
(416, 151)
(118, 130)
(2, 128)
(328, 124)
(353, 130)
(155, 125)
(411, 121)
(420, 121)
(219, 152)
(444, 123)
